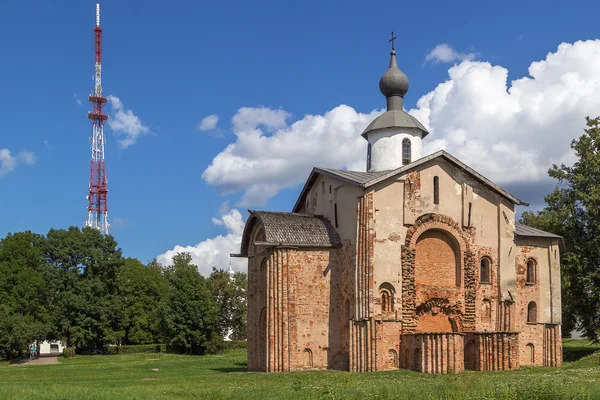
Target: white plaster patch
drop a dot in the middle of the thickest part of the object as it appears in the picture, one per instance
(458, 188)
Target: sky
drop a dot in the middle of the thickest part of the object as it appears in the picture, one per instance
(220, 107)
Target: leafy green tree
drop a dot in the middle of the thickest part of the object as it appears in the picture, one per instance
(230, 295)
(24, 315)
(85, 295)
(573, 211)
(189, 314)
(141, 290)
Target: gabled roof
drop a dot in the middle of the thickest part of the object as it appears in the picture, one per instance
(368, 179)
(524, 230)
(290, 229)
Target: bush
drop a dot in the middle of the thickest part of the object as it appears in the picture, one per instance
(68, 352)
(236, 344)
(141, 348)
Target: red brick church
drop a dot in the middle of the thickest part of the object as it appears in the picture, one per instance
(415, 264)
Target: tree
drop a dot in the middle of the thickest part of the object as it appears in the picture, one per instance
(24, 315)
(189, 314)
(230, 295)
(85, 299)
(141, 290)
(573, 211)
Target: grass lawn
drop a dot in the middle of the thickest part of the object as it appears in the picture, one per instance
(224, 376)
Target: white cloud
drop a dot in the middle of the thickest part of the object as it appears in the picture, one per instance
(509, 132)
(8, 162)
(77, 100)
(125, 124)
(208, 123)
(514, 132)
(215, 251)
(443, 53)
(270, 155)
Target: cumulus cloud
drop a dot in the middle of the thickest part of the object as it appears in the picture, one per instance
(215, 251)
(508, 131)
(443, 53)
(8, 162)
(511, 132)
(208, 123)
(514, 132)
(270, 155)
(125, 124)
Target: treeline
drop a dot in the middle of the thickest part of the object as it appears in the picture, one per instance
(75, 286)
(573, 211)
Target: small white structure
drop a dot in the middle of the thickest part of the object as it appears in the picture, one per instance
(51, 348)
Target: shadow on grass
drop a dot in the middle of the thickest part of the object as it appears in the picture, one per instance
(577, 353)
(574, 350)
(240, 367)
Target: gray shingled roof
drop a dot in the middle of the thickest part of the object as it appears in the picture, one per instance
(353, 176)
(395, 119)
(367, 179)
(524, 230)
(291, 229)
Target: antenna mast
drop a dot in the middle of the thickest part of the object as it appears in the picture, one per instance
(97, 206)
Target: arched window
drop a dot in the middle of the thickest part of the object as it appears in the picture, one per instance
(484, 271)
(368, 157)
(486, 311)
(532, 312)
(436, 190)
(308, 357)
(393, 358)
(531, 271)
(406, 152)
(530, 353)
(386, 295)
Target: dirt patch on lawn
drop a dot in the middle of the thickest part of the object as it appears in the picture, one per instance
(38, 361)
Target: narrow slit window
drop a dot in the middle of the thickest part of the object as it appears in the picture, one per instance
(406, 152)
(436, 190)
(532, 312)
(530, 271)
(369, 156)
(335, 214)
(484, 275)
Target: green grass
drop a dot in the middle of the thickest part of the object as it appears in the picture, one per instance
(224, 376)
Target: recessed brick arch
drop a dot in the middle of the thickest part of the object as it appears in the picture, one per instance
(467, 261)
(435, 221)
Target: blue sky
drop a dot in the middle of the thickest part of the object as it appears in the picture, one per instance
(173, 63)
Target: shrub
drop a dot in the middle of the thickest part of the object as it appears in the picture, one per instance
(236, 344)
(141, 348)
(68, 352)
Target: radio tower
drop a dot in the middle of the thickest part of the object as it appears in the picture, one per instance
(97, 206)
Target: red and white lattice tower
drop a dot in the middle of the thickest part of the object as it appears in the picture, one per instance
(97, 206)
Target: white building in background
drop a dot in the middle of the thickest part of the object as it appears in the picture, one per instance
(50, 348)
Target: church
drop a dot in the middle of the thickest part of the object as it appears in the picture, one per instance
(416, 263)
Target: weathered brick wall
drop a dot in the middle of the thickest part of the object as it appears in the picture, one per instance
(492, 351)
(433, 353)
(310, 298)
